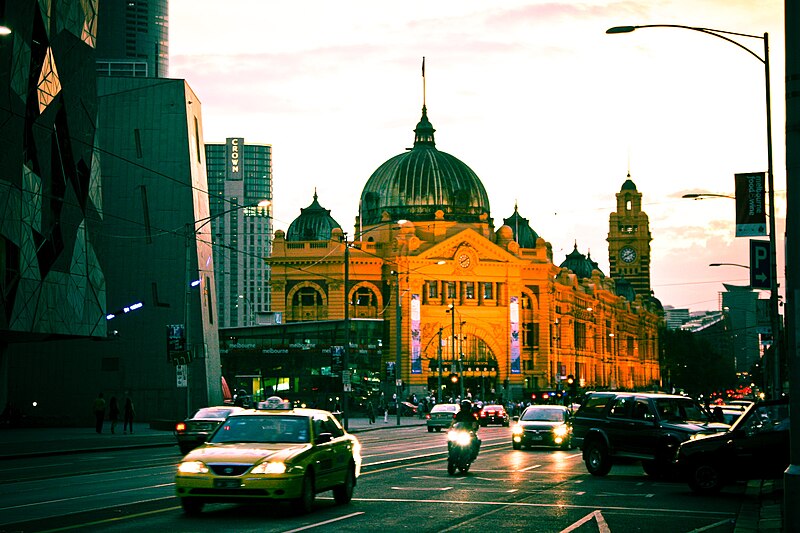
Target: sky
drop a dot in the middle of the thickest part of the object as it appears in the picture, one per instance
(549, 111)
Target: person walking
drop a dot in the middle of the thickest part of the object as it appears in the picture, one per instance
(113, 413)
(99, 407)
(127, 415)
(371, 411)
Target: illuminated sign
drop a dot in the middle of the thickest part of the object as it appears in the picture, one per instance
(234, 158)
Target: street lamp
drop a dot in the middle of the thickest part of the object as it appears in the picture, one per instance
(248, 309)
(773, 299)
(703, 195)
(451, 308)
(728, 264)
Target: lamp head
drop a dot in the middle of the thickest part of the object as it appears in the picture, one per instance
(621, 29)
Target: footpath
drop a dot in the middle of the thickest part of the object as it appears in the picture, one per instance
(761, 511)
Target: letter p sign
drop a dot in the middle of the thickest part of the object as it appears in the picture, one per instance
(760, 272)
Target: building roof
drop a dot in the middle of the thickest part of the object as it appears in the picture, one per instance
(524, 235)
(415, 185)
(315, 223)
(581, 265)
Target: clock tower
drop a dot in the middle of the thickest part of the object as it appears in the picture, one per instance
(629, 240)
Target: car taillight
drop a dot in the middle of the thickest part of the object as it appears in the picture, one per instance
(180, 426)
(428, 416)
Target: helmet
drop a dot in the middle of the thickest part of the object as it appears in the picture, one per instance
(466, 405)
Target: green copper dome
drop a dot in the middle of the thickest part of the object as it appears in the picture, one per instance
(524, 235)
(581, 265)
(315, 223)
(418, 183)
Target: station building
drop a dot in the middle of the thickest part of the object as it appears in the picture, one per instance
(450, 295)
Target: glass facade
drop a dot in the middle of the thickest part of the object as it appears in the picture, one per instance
(133, 38)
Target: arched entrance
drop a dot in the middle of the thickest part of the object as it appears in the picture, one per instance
(476, 369)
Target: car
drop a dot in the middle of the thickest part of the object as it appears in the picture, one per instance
(755, 447)
(648, 427)
(493, 414)
(727, 413)
(406, 409)
(272, 453)
(441, 416)
(194, 431)
(543, 425)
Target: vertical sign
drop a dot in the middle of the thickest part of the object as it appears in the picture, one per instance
(513, 308)
(751, 220)
(181, 376)
(337, 360)
(235, 149)
(760, 273)
(416, 356)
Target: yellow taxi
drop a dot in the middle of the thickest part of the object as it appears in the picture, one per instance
(273, 452)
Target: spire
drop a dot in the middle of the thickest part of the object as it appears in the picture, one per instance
(423, 133)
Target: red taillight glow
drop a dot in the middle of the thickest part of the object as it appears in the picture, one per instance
(428, 416)
(180, 426)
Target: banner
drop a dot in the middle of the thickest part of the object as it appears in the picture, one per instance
(416, 357)
(514, 321)
(751, 220)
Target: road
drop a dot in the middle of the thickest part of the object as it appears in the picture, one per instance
(404, 486)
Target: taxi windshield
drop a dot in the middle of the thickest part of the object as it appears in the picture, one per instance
(263, 429)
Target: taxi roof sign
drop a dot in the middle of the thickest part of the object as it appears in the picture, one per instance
(275, 403)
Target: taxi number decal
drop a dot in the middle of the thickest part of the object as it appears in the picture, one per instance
(227, 483)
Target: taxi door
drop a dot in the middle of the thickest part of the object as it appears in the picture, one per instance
(324, 453)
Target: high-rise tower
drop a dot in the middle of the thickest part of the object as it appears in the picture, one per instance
(133, 38)
(629, 240)
(240, 174)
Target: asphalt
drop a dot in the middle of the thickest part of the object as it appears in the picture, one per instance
(761, 510)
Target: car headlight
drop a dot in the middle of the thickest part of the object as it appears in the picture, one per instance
(561, 431)
(269, 468)
(517, 430)
(192, 467)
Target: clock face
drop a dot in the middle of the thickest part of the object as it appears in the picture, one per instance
(627, 254)
(464, 260)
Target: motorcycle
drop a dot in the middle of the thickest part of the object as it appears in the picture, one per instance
(461, 448)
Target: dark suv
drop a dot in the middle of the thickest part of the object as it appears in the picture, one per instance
(648, 427)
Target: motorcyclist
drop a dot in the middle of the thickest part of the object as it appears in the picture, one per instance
(467, 417)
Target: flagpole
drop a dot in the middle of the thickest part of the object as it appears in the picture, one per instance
(423, 80)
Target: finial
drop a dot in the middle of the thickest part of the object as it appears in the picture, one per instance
(315, 194)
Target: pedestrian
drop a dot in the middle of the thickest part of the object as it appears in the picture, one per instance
(113, 413)
(99, 407)
(371, 411)
(127, 415)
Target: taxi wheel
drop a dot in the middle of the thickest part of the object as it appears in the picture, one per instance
(344, 492)
(430, 429)
(307, 494)
(191, 506)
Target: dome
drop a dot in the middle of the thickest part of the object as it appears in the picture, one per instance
(581, 265)
(315, 223)
(523, 234)
(416, 184)
(628, 185)
(625, 289)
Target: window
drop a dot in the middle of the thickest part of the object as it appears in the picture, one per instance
(451, 290)
(469, 290)
(488, 290)
(433, 289)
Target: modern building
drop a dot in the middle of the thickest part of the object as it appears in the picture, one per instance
(240, 194)
(53, 284)
(740, 304)
(455, 294)
(133, 38)
(154, 245)
(675, 318)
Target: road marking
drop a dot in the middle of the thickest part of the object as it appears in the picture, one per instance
(529, 468)
(596, 515)
(637, 510)
(623, 494)
(421, 488)
(325, 523)
(711, 526)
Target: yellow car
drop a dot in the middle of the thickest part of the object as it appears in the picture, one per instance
(274, 452)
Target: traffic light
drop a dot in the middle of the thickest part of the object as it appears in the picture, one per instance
(573, 385)
(453, 378)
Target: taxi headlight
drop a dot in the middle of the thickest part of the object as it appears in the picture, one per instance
(561, 431)
(269, 468)
(517, 430)
(192, 467)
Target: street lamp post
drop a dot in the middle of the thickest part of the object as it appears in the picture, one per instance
(774, 314)
(439, 367)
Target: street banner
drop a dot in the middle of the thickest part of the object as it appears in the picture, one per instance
(416, 356)
(514, 322)
(751, 219)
